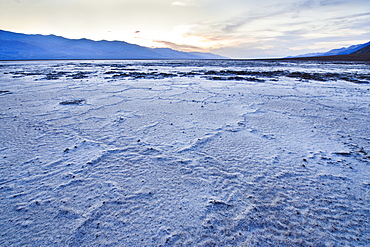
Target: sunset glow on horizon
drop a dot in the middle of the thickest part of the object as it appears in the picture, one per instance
(232, 28)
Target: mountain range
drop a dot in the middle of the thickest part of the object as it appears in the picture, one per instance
(17, 46)
(354, 49)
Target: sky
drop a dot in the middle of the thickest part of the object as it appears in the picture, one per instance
(232, 28)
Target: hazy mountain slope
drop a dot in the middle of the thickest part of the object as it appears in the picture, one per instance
(363, 50)
(16, 46)
(341, 51)
(345, 50)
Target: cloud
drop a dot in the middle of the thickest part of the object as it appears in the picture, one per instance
(280, 11)
(341, 2)
(276, 29)
(278, 18)
(349, 16)
(180, 47)
(184, 3)
(271, 26)
(179, 4)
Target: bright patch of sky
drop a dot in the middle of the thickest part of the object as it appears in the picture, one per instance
(233, 28)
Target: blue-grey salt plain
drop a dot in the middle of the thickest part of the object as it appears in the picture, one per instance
(184, 153)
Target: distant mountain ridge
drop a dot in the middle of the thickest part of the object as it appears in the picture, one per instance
(363, 50)
(17, 46)
(335, 52)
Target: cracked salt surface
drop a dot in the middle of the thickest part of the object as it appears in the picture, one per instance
(184, 153)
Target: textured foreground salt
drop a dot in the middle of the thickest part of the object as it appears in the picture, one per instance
(184, 153)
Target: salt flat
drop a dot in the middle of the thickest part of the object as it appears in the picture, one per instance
(184, 153)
